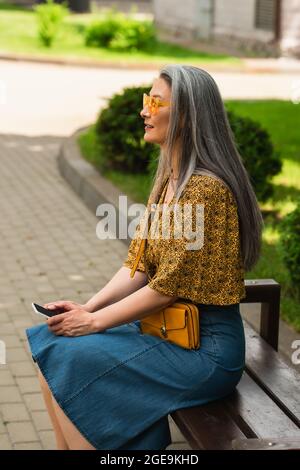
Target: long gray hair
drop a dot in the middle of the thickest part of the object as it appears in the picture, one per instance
(199, 122)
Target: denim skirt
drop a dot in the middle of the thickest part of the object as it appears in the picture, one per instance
(118, 386)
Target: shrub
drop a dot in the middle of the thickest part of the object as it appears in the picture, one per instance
(117, 31)
(101, 32)
(257, 151)
(120, 130)
(121, 133)
(134, 35)
(49, 17)
(290, 245)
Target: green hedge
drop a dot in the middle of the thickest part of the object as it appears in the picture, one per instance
(49, 18)
(290, 245)
(117, 31)
(260, 159)
(120, 131)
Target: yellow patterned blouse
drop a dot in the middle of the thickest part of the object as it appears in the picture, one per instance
(212, 274)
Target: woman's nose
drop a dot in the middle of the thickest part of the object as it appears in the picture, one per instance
(144, 111)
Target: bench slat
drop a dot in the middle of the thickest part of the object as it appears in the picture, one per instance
(247, 413)
(207, 427)
(266, 444)
(253, 409)
(273, 374)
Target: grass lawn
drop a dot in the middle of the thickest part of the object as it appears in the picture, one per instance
(18, 34)
(281, 119)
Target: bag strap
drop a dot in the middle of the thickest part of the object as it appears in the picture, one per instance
(138, 256)
(142, 245)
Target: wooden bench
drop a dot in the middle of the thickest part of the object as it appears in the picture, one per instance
(264, 411)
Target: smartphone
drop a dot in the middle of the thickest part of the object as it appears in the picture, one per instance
(44, 311)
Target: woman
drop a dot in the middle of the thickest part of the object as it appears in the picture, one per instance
(107, 385)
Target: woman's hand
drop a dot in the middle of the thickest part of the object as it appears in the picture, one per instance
(74, 322)
(65, 306)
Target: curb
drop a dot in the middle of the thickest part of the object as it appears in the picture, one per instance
(86, 63)
(122, 64)
(247, 66)
(94, 189)
(88, 183)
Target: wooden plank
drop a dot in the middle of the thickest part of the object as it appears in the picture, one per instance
(273, 374)
(267, 293)
(247, 413)
(208, 426)
(253, 409)
(259, 290)
(266, 444)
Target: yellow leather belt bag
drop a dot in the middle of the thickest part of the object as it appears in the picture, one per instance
(178, 323)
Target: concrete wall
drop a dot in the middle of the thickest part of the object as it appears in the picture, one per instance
(236, 18)
(290, 27)
(186, 18)
(175, 15)
(207, 18)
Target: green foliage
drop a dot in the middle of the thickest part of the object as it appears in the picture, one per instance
(101, 32)
(119, 32)
(120, 131)
(257, 151)
(50, 17)
(18, 33)
(290, 245)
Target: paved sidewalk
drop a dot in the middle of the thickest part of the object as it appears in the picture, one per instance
(49, 251)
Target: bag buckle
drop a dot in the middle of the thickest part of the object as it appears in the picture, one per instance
(163, 331)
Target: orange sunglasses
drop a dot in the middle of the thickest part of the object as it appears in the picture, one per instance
(153, 103)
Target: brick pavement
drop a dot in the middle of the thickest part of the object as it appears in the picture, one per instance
(48, 251)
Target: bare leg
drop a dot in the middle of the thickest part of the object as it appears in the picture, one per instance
(74, 438)
(60, 439)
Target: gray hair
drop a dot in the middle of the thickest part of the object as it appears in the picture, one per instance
(199, 123)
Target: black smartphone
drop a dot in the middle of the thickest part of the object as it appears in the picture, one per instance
(44, 311)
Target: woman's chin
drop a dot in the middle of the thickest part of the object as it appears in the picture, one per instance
(150, 139)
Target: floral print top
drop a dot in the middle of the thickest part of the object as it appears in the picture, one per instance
(212, 274)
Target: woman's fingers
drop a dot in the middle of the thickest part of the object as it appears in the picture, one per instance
(56, 319)
(58, 304)
(50, 306)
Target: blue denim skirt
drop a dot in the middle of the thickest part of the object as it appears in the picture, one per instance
(119, 386)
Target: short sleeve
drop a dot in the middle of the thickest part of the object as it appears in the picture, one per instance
(212, 273)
